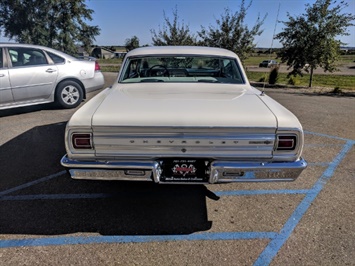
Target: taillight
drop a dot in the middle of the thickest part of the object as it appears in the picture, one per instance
(97, 66)
(81, 141)
(286, 143)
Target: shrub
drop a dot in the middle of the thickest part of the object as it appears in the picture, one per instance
(294, 80)
(274, 75)
(337, 90)
(263, 78)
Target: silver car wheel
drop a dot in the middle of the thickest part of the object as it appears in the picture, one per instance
(70, 95)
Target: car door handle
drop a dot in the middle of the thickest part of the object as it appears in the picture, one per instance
(2, 75)
(50, 70)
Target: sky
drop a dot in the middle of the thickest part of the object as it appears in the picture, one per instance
(122, 19)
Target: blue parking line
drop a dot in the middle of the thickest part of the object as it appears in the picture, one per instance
(323, 145)
(327, 136)
(261, 192)
(318, 164)
(51, 241)
(275, 244)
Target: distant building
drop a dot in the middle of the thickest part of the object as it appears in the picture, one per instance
(101, 52)
(120, 54)
(82, 52)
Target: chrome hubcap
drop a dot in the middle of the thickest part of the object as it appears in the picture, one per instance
(70, 95)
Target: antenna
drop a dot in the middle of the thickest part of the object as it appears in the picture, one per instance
(273, 35)
(272, 42)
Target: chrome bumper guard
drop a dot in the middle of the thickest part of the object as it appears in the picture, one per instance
(220, 171)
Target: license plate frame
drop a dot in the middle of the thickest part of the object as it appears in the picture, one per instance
(184, 170)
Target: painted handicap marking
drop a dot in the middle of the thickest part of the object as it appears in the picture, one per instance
(275, 244)
(54, 241)
(277, 240)
(327, 136)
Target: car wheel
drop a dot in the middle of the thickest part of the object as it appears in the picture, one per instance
(69, 94)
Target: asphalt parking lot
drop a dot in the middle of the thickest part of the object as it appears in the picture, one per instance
(46, 218)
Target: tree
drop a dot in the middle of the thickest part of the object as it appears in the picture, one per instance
(132, 43)
(173, 33)
(232, 33)
(310, 39)
(59, 24)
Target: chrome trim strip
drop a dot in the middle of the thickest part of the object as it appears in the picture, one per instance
(183, 144)
(69, 163)
(95, 174)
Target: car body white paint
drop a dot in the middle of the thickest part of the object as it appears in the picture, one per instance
(137, 126)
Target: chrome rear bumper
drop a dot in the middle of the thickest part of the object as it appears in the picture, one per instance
(219, 171)
(225, 171)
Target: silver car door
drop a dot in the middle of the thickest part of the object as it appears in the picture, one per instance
(32, 78)
(5, 86)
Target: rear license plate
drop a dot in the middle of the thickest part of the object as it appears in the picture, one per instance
(184, 170)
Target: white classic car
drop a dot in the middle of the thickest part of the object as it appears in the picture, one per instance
(183, 115)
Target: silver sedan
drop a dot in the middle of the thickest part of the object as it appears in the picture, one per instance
(31, 74)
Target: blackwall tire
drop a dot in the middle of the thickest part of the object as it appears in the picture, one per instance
(69, 94)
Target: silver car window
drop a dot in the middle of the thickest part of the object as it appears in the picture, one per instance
(184, 68)
(21, 56)
(56, 58)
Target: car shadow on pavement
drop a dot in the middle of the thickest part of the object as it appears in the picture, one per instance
(62, 205)
(29, 109)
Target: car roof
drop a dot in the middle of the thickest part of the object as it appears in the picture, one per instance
(181, 50)
(9, 44)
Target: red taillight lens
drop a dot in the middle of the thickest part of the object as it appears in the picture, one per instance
(97, 66)
(287, 143)
(81, 141)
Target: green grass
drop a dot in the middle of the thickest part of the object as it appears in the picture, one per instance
(328, 81)
(110, 61)
(347, 59)
(255, 59)
(110, 68)
(251, 61)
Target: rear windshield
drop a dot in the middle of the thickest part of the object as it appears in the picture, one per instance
(209, 69)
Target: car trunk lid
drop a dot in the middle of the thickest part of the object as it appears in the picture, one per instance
(211, 122)
(183, 105)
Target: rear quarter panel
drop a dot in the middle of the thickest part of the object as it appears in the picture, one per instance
(285, 118)
(79, 69)
(83, 116)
